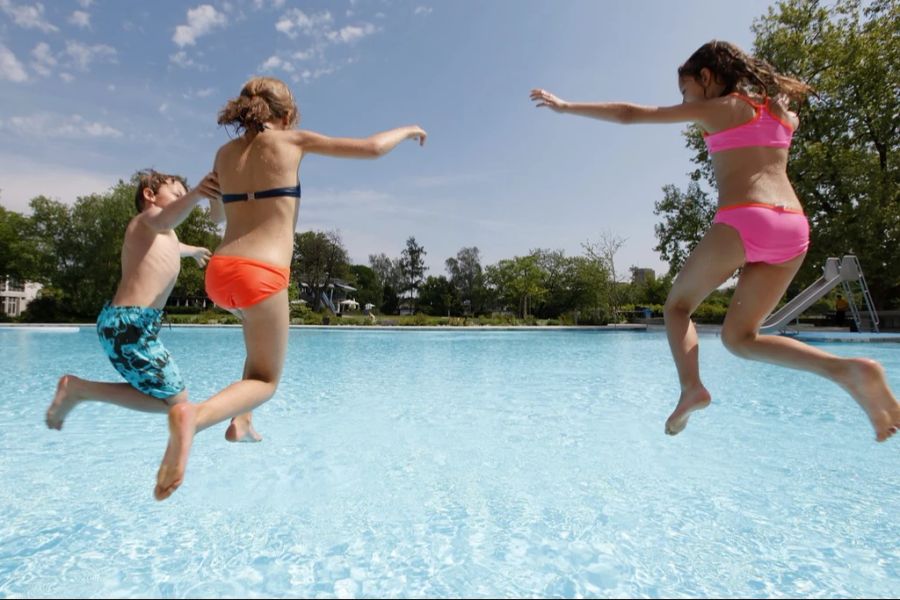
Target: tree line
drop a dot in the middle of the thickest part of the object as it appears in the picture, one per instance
(843, 164)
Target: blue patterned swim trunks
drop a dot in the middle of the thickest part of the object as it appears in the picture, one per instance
(129, 336)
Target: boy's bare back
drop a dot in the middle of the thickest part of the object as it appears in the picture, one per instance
(151, 262)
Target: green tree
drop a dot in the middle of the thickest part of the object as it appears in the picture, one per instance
(686, 217)
(93, 266)
(18, 250)
(50, 229)
(603, 253)
(518, 282)
(387, 270)
(592, 290)
(412, 270)
(319, 257)
(78, 248)
(368, 289)
(467, 278)
(437, 296)
(557, 278)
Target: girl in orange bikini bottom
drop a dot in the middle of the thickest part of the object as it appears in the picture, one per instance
(237, 282)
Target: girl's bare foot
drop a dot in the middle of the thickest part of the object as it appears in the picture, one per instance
(65, 400)
(691, 399)
(182, 427)
(241, 430)
(864, 379)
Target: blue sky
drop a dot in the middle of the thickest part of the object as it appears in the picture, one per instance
(93, 90)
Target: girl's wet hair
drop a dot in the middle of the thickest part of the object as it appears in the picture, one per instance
(738, 71)
(148, 178)
(262, 99)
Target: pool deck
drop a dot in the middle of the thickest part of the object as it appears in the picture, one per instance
(57, 328)
(820, 335)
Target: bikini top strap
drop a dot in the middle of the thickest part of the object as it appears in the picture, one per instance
(749, 101)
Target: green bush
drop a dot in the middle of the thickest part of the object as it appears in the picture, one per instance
(185, 310)
(710, 313)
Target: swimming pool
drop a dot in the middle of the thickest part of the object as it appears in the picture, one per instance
(451, 463)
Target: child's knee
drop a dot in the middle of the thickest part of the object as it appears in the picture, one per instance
(676, 304)
(738, 340)
(178, 398)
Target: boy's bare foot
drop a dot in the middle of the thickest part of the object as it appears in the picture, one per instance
(691, 400)
(182, 427)
(241, 430)
(65, 400)
(865, 380)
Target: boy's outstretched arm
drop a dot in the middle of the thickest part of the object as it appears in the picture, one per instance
(198, 253)
(176, 212)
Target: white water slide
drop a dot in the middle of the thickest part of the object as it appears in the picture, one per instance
(836, 272)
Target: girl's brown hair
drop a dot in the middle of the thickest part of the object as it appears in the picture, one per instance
(262, 99)
(737, 70)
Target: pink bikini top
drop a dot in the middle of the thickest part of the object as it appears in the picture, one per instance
(764, 129)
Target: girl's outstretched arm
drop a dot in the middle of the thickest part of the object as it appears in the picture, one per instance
(373, 146)
(626, 113)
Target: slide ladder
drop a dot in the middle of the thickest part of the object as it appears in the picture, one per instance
(836, 272)
(327, 302)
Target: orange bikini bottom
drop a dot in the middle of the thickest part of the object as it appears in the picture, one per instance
(237, 282)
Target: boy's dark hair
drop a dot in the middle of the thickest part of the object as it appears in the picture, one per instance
(149, 178)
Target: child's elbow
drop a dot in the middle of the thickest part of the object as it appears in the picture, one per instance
(627, 115)
(375, 149)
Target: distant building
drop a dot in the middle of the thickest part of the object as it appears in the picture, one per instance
(15, 295)
(642, 276)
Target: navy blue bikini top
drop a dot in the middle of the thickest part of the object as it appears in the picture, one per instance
(293, 192)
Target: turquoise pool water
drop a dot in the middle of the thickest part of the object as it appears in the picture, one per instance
(451, 463)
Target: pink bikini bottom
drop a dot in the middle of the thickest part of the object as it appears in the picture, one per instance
(770, 233)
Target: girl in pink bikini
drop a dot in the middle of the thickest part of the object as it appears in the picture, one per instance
(740, 102)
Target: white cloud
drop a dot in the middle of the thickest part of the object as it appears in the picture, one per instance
(311, 74)
(82, 56)
(163, 108)
(200, 21)
(276, 62)
(422, 10)
(258, 4)
(351, 33)
(49, 125)
(184, 61)
(273, 62)
(28, 17)
(23, 179)
(67, 77)
(304, 54)
(85, 3)
(10, 67)
(44, 61)
(296, 21)
(80, 18)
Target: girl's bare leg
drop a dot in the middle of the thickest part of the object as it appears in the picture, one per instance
(265, 336)
(713, 261)
(758, 291)
(241, 427)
